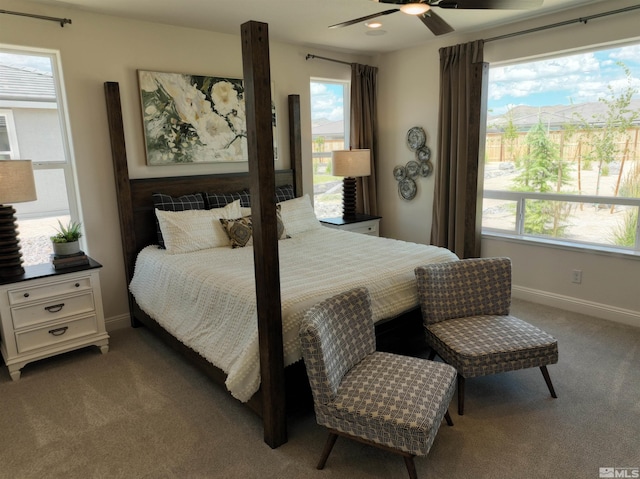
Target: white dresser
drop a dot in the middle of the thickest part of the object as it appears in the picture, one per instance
(365, 224)
(46, 312)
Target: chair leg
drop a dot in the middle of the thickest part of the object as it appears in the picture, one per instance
(447, 417)
(547, 379)
(460, 394)
(411, 467)
(328, 446)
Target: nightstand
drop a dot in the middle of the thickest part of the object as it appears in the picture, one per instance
(46, 312)
(365, 224)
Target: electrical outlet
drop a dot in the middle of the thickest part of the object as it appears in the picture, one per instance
(576, 276)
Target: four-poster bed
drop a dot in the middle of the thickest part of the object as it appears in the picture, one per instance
(138, 228)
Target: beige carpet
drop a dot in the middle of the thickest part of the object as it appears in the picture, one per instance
(141, 412)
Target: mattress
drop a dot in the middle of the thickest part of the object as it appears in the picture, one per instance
(206, 298)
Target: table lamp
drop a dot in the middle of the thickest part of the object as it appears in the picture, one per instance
(17, 185)
(350, 164)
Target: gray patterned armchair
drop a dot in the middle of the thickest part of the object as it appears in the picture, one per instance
(392, 402)
(465, 311)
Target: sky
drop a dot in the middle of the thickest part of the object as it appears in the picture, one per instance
(579, 78)
(38, 63)
(327, 101)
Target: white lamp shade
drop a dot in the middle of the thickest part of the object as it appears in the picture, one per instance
(351, 163)
(16, 182)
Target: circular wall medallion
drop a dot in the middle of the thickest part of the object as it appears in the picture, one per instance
(424, 153)
(416, 138)
(399, 172)
(413, 169)
(426, 168)
(407, 189)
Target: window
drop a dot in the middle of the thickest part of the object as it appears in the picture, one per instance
(562, 155)
(329, 131)
(33, 127)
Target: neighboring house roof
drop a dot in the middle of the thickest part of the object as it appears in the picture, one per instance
(523, 117)
(25, 84)
(328, 129)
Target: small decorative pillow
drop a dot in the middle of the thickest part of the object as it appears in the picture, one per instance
(298, 215)
(193, 230)
(169, 203)
(240, 230)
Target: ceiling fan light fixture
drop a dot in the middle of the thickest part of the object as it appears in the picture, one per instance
(414, 8)
(373, 24)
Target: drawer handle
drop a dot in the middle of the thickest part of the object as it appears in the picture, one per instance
(55, 308)
(77, 285)
(58, 331)
(26, 295)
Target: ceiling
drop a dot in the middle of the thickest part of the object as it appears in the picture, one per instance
(306, 21)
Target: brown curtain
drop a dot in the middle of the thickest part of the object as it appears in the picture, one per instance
(364, 126)
(457, 206)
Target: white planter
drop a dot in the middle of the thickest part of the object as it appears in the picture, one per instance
(62, 249)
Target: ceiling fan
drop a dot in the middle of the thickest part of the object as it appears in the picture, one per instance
(423, 9)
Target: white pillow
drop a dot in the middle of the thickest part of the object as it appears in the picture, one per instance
(298, 216)
(193, 230)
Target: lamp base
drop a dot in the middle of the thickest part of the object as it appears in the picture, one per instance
(349, 198)
(10, 254)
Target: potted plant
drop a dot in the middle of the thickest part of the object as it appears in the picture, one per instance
(65, 242)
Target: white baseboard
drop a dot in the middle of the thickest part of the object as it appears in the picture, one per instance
(117, 322)
(568, 303)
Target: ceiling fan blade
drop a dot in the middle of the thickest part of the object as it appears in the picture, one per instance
(491, 4)
(435, 23)
(364, 19)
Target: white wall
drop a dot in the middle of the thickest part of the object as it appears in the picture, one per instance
(95, 49)
(409, 86)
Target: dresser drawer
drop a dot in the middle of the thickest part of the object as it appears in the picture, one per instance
(36, 293)
(40, 338)
(56, 308)
(367, 228)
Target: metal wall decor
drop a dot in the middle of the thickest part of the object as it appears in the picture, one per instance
(406, 175)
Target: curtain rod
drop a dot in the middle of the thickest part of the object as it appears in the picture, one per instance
(561, 24)
(61, 21)
(310, 56)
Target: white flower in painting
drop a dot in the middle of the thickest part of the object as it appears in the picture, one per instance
(214, 131)
(225, 97)
(190, 103)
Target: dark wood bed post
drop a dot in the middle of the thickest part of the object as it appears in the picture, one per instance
(257, 80)
(121, 173)
(295, 142)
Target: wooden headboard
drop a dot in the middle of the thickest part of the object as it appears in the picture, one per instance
(135, 202)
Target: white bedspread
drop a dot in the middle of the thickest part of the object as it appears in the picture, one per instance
(206, 298)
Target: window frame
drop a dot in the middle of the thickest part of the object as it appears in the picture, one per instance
(67, 166)
(519, 236)
(346, 116)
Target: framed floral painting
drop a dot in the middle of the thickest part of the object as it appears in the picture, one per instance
(194, 119)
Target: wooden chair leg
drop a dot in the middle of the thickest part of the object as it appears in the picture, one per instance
(460, 395)
(411, 467)
(547, 379)
(328, 446)
(447, 417)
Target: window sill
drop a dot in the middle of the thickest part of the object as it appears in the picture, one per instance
(564, 245)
